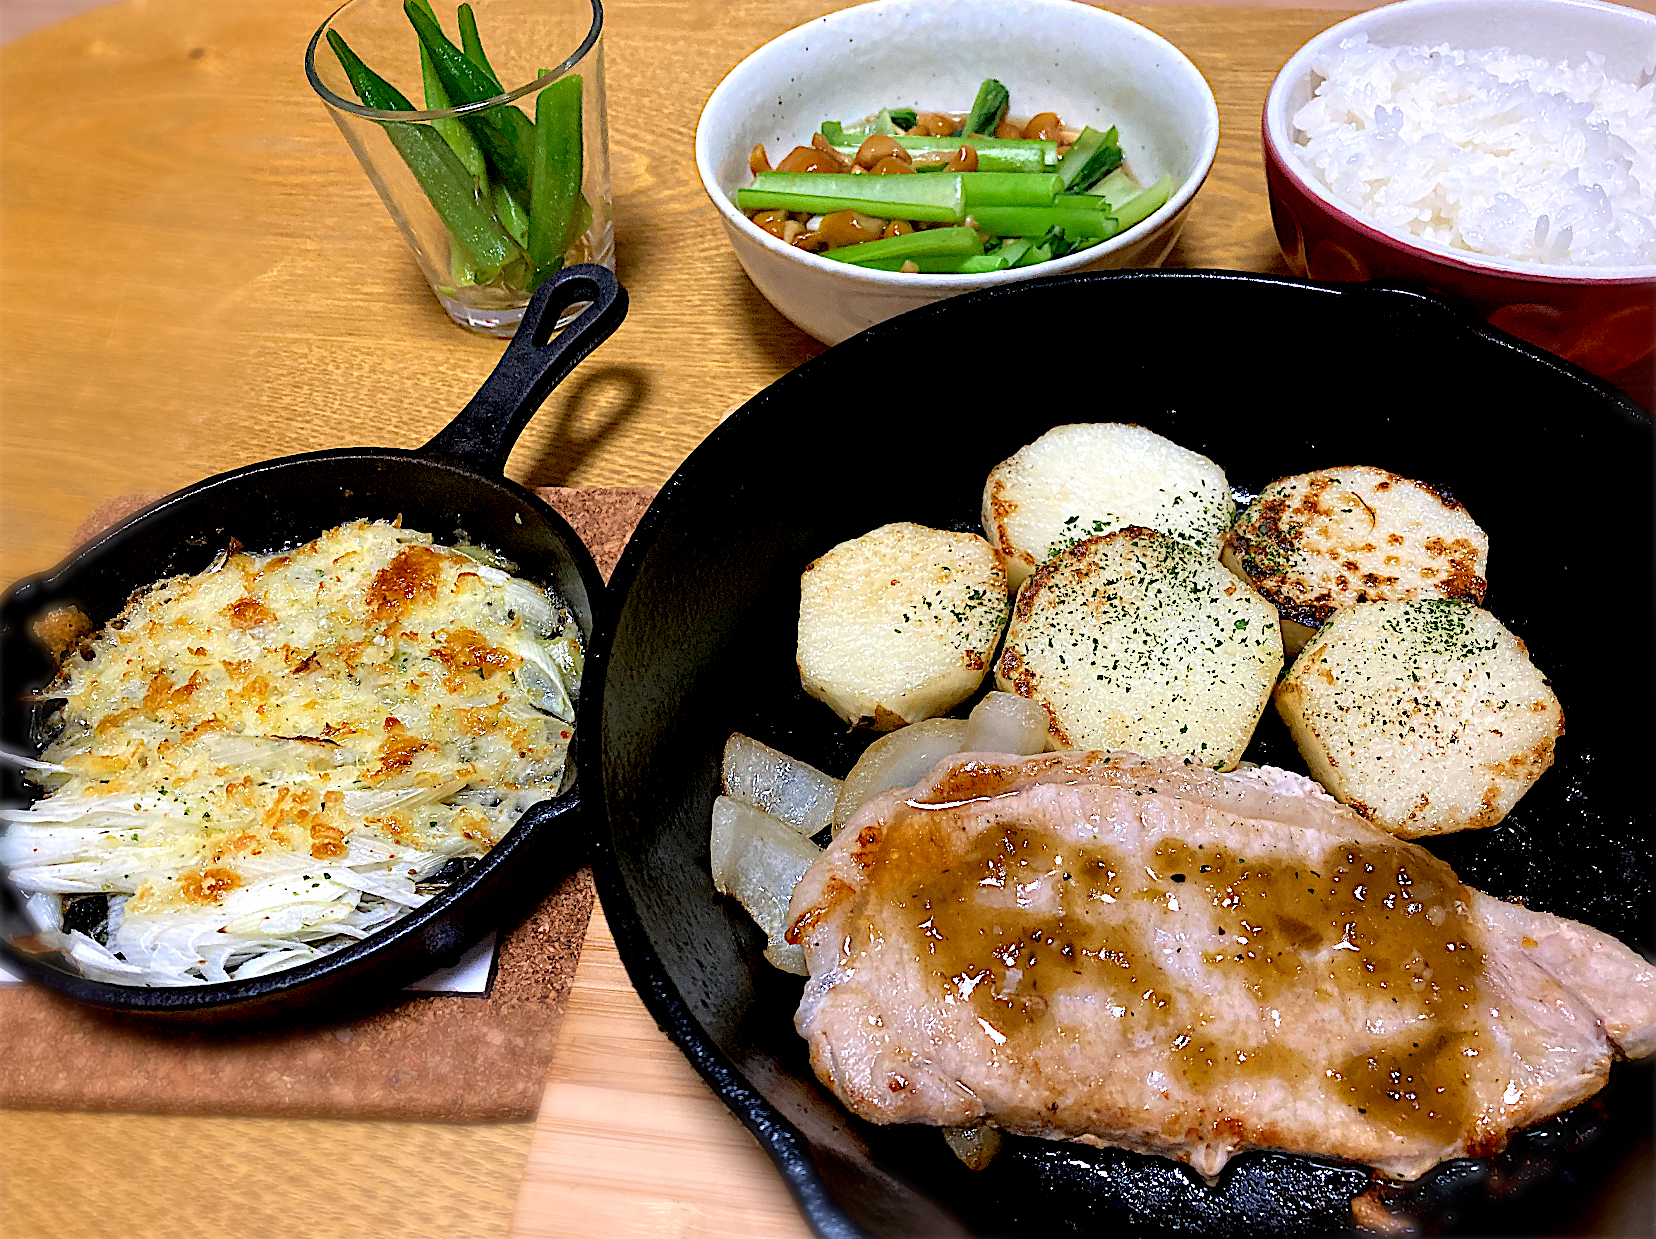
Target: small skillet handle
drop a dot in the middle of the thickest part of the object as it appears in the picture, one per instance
(481, 437)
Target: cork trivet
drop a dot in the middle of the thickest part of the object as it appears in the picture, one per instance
(462, 1057)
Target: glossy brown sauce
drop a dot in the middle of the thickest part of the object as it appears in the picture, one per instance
(1016, 922)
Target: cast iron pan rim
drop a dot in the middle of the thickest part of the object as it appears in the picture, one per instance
(170, 999)
(780, 1139)
(400, 455)
(561, 355)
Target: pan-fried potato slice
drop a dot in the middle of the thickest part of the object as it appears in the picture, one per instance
(1078, 481)
(900, 624)
(1424, 716)
(1317, 542)
(1135, 640)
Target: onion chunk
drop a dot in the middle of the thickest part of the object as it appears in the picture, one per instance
(900, 759)
(1006, 723)
(789, 790)
(758, 859)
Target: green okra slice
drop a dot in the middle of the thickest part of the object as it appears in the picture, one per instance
(555, 177)
(447, 183)
(471, 44)
(509, 211)
(505, 134)
(454, 133)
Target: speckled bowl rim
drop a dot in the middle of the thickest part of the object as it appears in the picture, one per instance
(1207, 147)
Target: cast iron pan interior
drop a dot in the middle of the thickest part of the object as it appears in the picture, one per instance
(455, 482)
(1268, 377)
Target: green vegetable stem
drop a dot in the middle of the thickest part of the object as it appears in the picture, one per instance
(1094, 156)
(506, 135)
(1013, 249)
(462, 269)
(447, 182)
(555, 176)
(971, 264)
(886, 120)
(988, 189)
(1116, 189)
(1145, 204)
(994, 154)
(932, 243)
(1035, 221)
(988, 109)
(935, 199)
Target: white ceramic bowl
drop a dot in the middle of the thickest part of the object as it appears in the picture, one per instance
(1601, 318)
(1088, 65)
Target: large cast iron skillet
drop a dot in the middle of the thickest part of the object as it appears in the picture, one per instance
(1268, 377)
(454, 482)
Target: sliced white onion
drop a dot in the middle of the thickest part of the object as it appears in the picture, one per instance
(31, 763)
(976, 1146)
(531, 603)
(275, 753)
(898, 760)
(790, 790)
(484, 555)
(45, 909)
(759, 860)
(1006, 723)
(538, 676)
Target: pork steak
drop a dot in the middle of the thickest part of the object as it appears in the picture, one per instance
(1150, 955)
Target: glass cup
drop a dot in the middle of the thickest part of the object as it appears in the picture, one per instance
(490, 203)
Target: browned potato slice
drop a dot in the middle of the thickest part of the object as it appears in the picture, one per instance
(899, 625)
(1077, 481)
(1317, 542)
(1137, 640)
(1425, 717)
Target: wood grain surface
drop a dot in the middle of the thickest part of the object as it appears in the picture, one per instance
(195, 274)
(621, 1097)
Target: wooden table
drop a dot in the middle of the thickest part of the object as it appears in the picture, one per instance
(195, 274)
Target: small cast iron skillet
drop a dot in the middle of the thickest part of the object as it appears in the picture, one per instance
(455, 482)
(1268, 377)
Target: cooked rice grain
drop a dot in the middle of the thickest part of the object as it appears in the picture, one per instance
(1490, 151)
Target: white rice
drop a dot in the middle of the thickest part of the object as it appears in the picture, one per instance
(1489, 151)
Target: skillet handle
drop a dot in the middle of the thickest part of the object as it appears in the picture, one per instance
(481, 437)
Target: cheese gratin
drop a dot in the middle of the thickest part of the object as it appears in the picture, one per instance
(265, 761)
